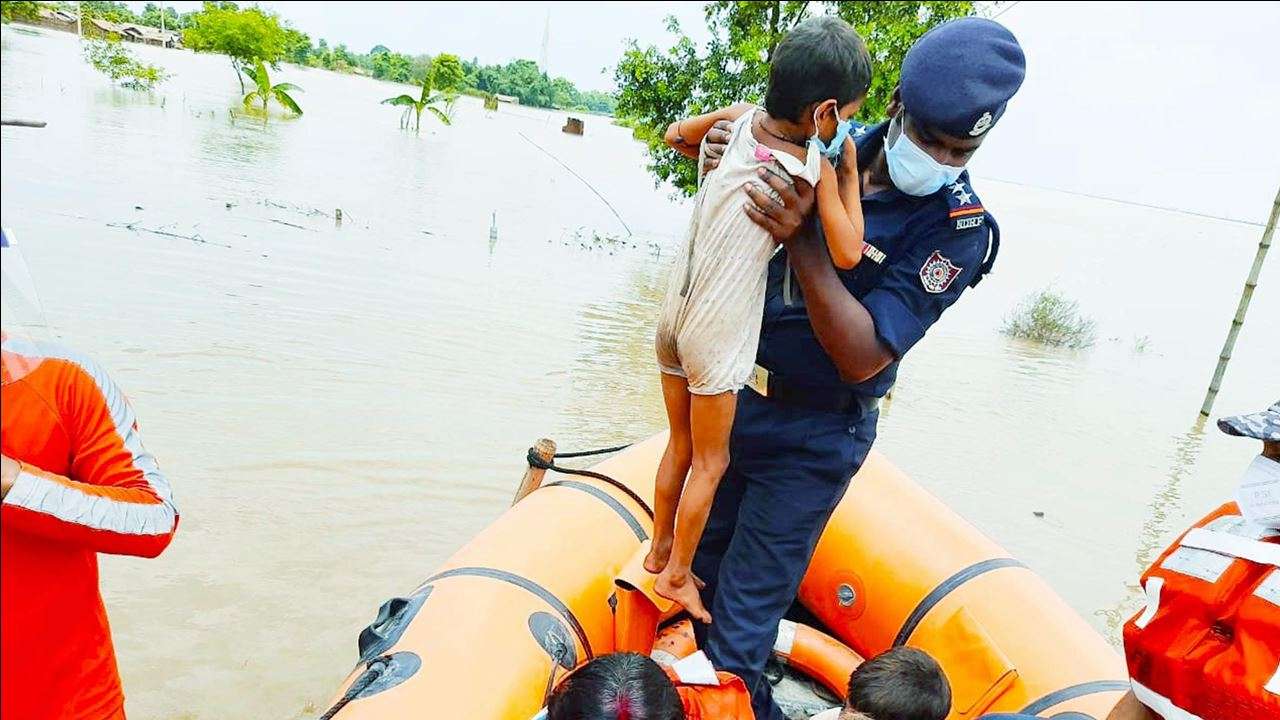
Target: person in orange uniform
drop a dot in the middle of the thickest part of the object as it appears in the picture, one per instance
(1207, 645)
(75, 482)
(630, 686)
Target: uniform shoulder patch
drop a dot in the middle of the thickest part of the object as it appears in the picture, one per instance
(937, 273)
(965, 211)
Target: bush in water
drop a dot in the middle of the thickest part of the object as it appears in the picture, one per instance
(1050, 318)
(117, 62)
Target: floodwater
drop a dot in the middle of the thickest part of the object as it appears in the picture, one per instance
(340, 408)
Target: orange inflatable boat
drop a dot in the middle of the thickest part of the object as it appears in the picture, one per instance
(556, 581)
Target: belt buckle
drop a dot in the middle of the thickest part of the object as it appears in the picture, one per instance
(759, 380)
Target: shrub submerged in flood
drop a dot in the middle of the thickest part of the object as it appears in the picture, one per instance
(1050, 318)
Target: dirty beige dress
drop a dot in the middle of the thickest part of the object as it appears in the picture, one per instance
(709, 325)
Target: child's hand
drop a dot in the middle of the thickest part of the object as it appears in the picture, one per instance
(849, 157)
(828, 171)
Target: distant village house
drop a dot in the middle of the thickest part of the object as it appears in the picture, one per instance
(65, 21)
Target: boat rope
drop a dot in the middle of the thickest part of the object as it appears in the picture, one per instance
(535, 461)
(371, 673)
(590, 187)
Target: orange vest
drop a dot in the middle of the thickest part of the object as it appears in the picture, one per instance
(86, 486)
(727, 701)
(1207, 646)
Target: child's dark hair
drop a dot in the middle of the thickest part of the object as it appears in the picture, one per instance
(618, 686)
(823, 57)
(900, 684)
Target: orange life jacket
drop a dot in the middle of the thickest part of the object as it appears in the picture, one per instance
(1207, 646)
(729, 700)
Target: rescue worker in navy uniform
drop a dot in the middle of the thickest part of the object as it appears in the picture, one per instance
(832, 340)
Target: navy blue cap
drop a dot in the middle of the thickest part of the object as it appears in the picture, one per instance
(959, 76)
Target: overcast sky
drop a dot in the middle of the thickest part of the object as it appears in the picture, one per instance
(1171, 104)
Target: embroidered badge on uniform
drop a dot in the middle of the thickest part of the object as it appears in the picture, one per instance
(938, 273)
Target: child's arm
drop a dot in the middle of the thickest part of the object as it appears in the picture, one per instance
(686, 135)
(840, 209)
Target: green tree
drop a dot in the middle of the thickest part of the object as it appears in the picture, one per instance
(421, 68)
(391, 66)
(152, 13)
(247, 36)
(111, 58)
(343, 60)
(427, 100)
(599, 102)
(447, 73)
(297, 47)
(116, 12)
(264, 91)
(523, 79)
(10, 11)
(564, 94)
(659, 86)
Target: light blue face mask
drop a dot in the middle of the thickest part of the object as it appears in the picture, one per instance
(832, 150)
(913, 170)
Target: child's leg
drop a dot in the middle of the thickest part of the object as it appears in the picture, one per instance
(671, 471)
(710, 421)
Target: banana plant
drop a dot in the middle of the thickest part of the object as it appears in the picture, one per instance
(426, 101)
(264, 91)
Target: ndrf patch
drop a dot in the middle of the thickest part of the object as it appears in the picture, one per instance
(938, 273)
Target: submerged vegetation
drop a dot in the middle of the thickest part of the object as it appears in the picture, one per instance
(249, 34)
(445, 75)
(111, 58)
(264, 91)
(440, 105)
(1050, 318)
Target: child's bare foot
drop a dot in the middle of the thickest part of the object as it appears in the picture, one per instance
(659, 553)
(683, 589)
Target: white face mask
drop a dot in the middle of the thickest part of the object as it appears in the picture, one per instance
(913, 170)
(1259, 492)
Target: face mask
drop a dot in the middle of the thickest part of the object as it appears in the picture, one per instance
(1259, 492)
(913, 170)
(831, 151)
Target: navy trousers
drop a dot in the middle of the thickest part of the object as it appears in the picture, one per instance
(788, 469)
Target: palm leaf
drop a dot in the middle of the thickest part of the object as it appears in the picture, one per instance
(283, 98)
(439, 115)
(251, 98)
(400, 100)
(262, 79)
(287, 87)
(250, 73)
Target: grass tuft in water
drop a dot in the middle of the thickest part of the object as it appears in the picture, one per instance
(1050, 318)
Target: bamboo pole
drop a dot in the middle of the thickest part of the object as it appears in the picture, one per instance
(23, 123)
(546, 451)
(1238, 321)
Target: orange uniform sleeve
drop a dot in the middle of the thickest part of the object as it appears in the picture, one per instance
(116, 500)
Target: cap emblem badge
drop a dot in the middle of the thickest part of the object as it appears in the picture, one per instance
(982, 125)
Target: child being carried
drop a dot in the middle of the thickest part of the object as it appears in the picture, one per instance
(709, 325)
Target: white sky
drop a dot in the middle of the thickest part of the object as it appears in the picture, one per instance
(1171, 104)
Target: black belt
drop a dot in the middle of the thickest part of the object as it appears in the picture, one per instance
(823, 398)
